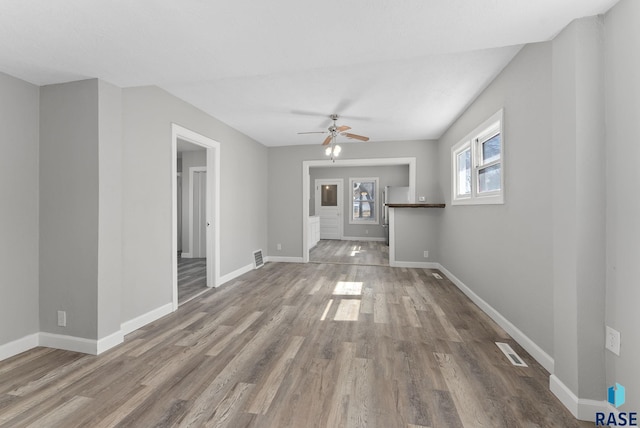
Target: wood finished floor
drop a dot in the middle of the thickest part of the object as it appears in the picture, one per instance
(192, 278)
(267, 351)
(350, 252)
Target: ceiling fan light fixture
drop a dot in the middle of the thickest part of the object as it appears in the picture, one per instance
(328, 151)
(336, 150)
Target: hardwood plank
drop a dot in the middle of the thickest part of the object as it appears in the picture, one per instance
(360, 413)
(338, 412)
(270, 386)
(201, 408)
(471, 411)
(192, 278)
(59, 414)
(229, 407)
(410, 309)
(363, 253)
(231, 336)
(380, 311)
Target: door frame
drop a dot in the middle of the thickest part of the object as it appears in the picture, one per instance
(306, 185)
(340, 183)
(213, 205)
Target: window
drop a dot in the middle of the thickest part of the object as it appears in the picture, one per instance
(329, 195)
(477, 165)
(364, 206)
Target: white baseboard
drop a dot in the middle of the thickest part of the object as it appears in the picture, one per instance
(18, 346)
(185, 256)
(580, 408)
(236, 273)
(144, 319)
(418, 265)
(69, 343)
(363, 238)
(277, 259)
(529, 345)
(80, 344)
(110, 341)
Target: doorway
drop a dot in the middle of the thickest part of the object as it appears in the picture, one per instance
(307, 189)
(192, 221)
(206, 200)
(328, 206)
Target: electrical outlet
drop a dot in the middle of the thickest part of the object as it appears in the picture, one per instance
(426, 254)
(366, 231)
(62, 318)
(612, 338)
(421, 199)
(279, 247)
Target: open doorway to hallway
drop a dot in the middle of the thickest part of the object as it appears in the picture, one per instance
(196, 213)
(192, 220)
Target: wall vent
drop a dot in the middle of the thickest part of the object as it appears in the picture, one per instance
(436, 275)
(508, 351)
(258, 261)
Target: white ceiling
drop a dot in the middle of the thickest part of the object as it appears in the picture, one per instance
(393, 69)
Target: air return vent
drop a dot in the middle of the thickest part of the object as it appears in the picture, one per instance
(258, 261)
(511, 354)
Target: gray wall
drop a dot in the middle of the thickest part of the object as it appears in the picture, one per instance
(19, 120)
(110, 188)
(147, 116)
(622, 59)
(285, 183)
(503, 252)
(388, 175)
(189, 159)
(577, 206)
(69, 207)
(417, 230)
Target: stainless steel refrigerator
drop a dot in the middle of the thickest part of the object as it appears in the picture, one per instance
(394, 195)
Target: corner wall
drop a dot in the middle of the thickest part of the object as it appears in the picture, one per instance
(69, 207)
(19, 121)
(109, 209)
(622, 62)
(578, 137)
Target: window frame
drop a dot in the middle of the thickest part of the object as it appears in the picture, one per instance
(474, 141)
(376, 200)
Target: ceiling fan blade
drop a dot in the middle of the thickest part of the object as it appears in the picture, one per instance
(343, 128)
(355, 136)
(312, 132)
(327, 140)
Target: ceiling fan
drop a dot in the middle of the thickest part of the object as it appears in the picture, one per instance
(334, 130)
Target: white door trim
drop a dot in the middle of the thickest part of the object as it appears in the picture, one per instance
(341, 211)
(411, 161)
(213, 205)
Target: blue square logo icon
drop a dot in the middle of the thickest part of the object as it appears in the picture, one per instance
(615, 395)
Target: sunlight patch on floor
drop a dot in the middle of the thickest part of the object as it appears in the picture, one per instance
(357, 249)
(326, 310)
(348, 310)
(346, 288)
